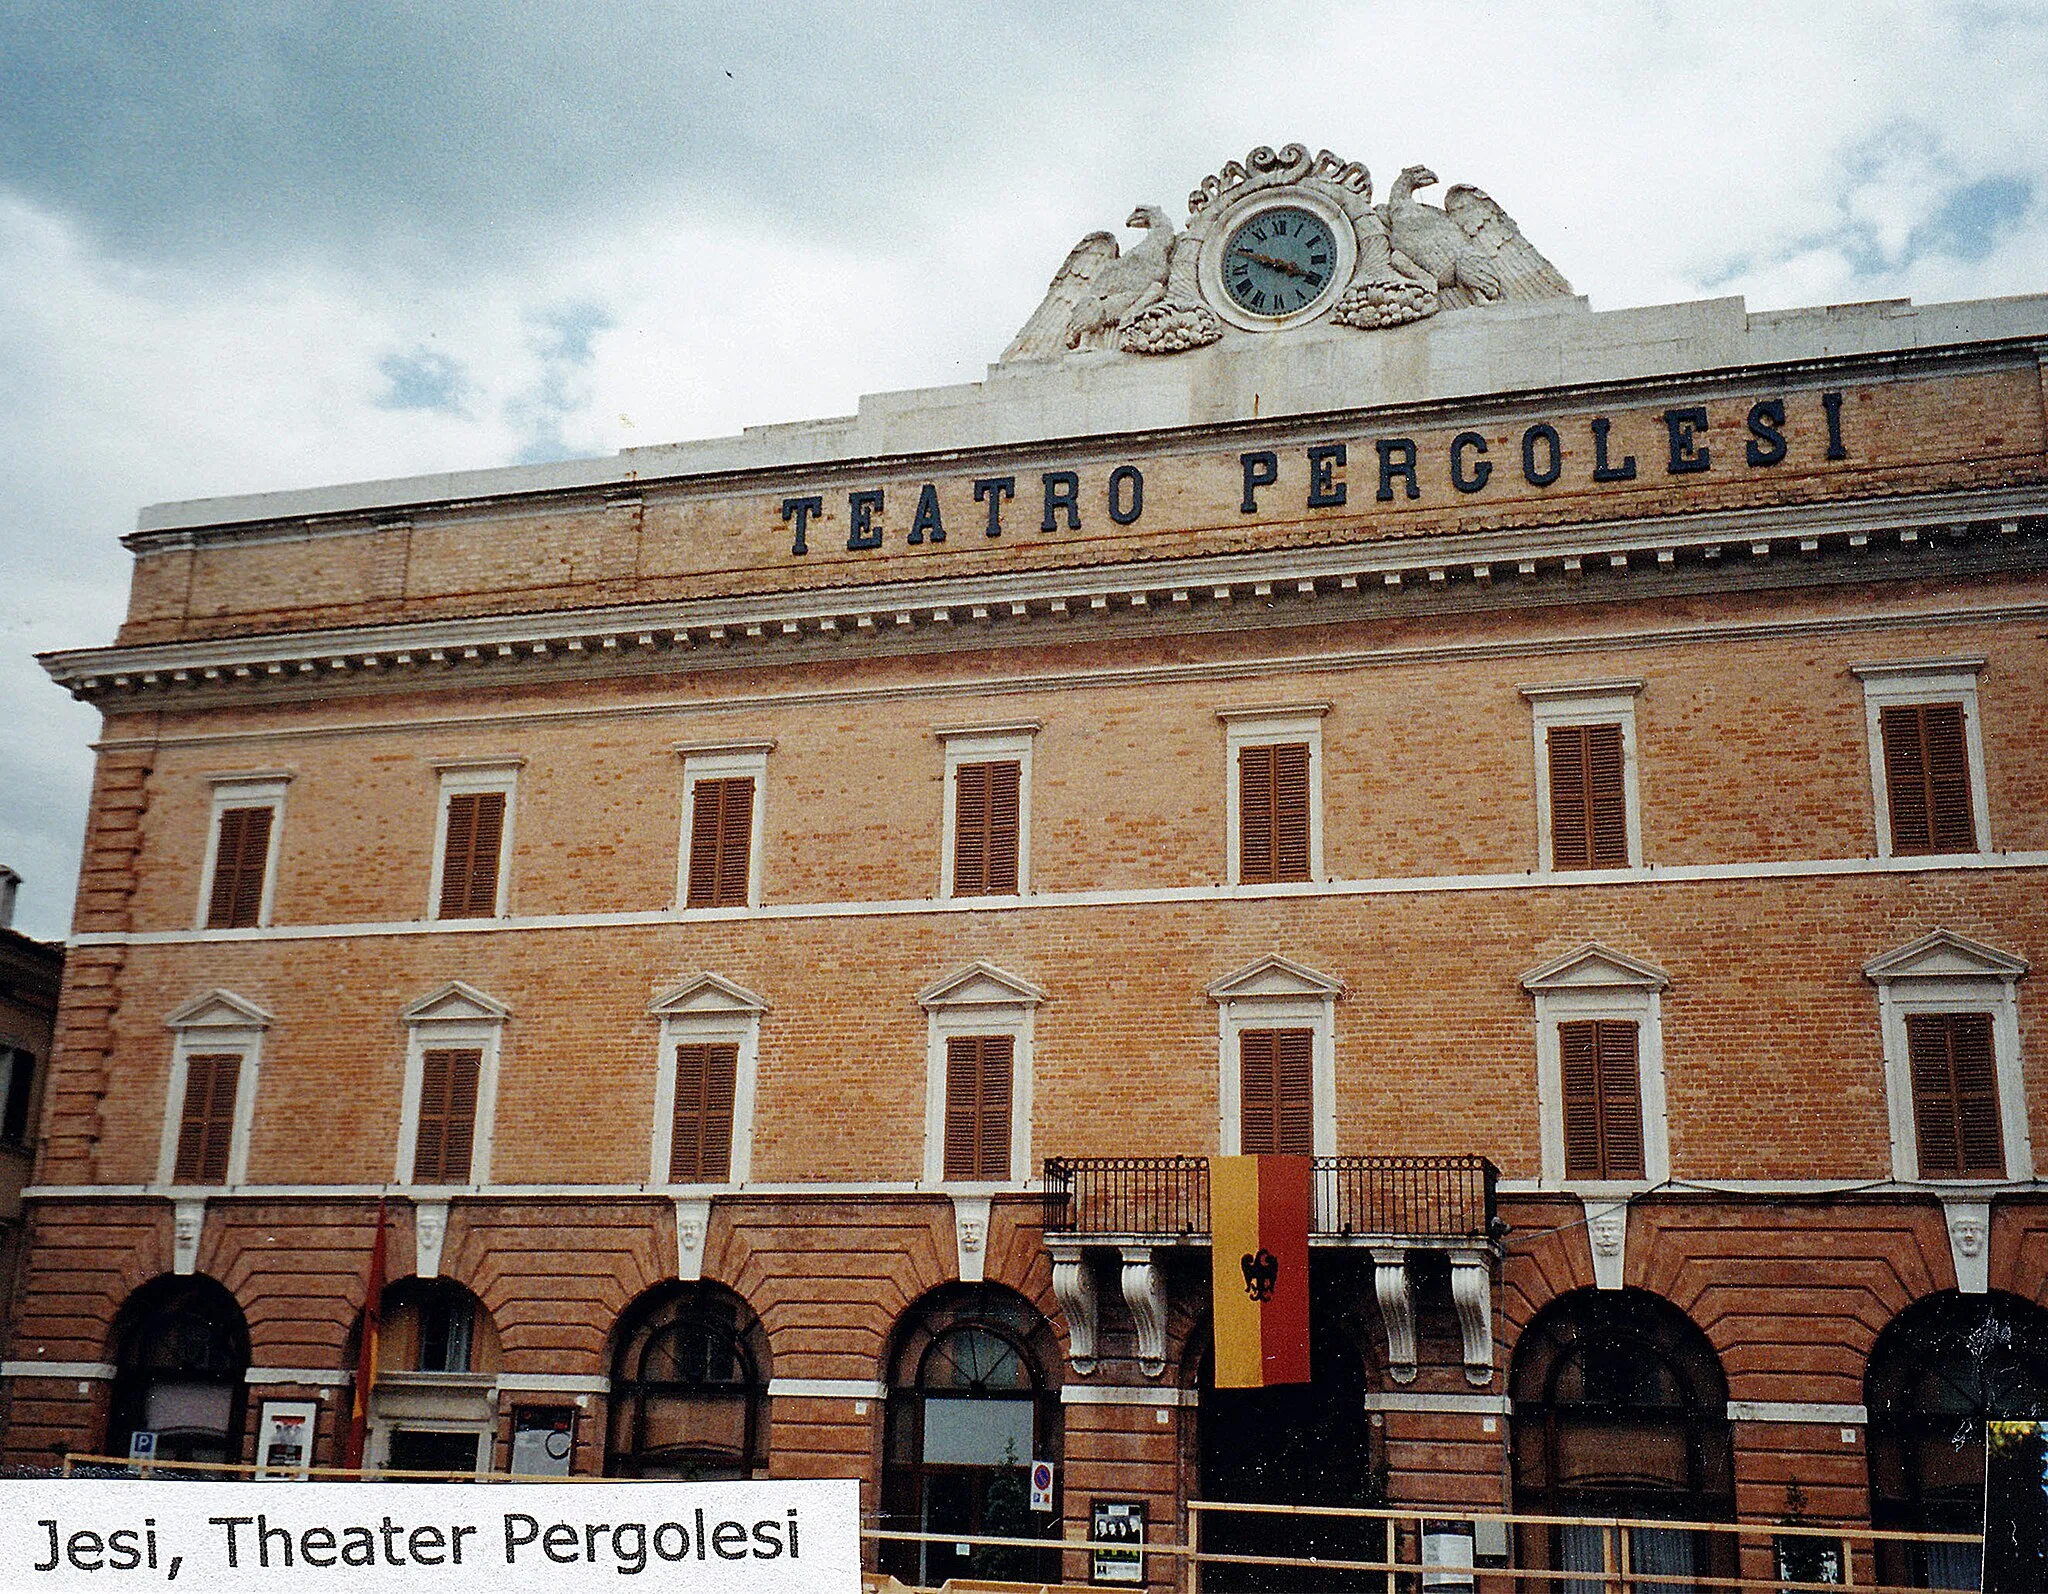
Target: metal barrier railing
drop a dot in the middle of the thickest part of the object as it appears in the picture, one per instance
(1168, 1197)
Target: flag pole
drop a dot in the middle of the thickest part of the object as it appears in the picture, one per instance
(366, 1349)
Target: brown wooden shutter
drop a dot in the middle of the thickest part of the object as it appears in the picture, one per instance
(979, 1080)
(1927, 778)
(447, 1122)
(469, 863)
(721, 841)
(1603, 1109)
(985, 829)
(1276, 1092)
(1588, 798)
(1955, 1095)
(240, 855)
(700, 1148)
(206, 1130)
(1272, 814)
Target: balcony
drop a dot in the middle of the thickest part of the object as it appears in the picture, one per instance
(1425, 1202)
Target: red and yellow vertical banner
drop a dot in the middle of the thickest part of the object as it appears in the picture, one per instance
(1258, 1220)
(366, 1350)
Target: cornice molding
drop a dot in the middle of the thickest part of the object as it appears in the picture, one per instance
(1605, 560)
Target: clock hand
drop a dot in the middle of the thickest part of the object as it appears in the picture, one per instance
(1276, 263)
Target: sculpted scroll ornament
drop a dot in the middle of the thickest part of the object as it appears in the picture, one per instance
(1410, 260)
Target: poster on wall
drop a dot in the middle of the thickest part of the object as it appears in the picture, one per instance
(1118, 1522)
(284, 1439)
(2015, 1508)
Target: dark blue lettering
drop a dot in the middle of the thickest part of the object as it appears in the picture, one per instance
(1602, 470)
(927, 517)
(1766, 444)
(994, 489)
(803, 511)
(1689, 456)
(1324, 490)
(1480, 472)
(1261, 469)
(1546, 434)
(1062, 491)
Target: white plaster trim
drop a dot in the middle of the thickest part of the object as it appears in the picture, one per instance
(430, 1233)
(244, 791)
(188, 1228)
(733, 762)
(554, 1383)
(970, 1237)
(706, 1011)
(1832, 1414)
(990, 745)
(1126, 1395)
(1279, 1008)
(1946, 973)
(1607, 1239)
(1271, 728)
(1969, 1243)
(1925, 681)
(217, 1023)
(302, 1377)
(1441, 1404)
(471, 776)
(1638, 1003)
(481, 1024)
(100, 1371)
(982, 1001)
(1593, 703)
(828, 1388)
(693, 1226)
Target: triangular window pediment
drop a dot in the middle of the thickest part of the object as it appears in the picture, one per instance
(219, 1009)
(1272, 977)
(981, 984)
(456, 1003)
(1944, 955)
(1593, 967)
(706, 993)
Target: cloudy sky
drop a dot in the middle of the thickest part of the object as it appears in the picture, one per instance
(286, 242)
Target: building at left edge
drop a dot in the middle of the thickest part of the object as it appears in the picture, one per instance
(31, 972)
(778, 924)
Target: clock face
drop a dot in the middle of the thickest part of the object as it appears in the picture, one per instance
(1279, 262)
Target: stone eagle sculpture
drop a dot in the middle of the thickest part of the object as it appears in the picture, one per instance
(1412, 260)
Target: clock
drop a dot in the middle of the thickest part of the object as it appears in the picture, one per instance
(1279, 262)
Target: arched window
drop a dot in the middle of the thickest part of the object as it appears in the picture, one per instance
(972, 1403)
(689, 1387)
(1621, 1409)
(1939, 1371)
(181, 1351)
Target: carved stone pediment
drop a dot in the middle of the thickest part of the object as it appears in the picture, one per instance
(219, 1009)
(1593, 967)
(706, 993)
(456, 1003)
(1279, 240)
(981, 984)
(1275, 976)
(1944, 955)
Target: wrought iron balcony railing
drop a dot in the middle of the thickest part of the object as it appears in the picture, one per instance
(1166, 1199)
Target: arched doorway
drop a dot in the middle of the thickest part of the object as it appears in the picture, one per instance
(1621, 1409)
(1940, 1370)
(181, 1354)
(689, 1398)
(432, 1402)
(973, 1401)
(1296, 1444)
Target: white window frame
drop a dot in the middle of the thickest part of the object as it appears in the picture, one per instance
(1271, 727)
(1942, 972)
(706, 1010)
(723, 761)
(466, 775)
(456, 1016)
(1276, 993)
(981, 999)
(219, 1021)
(1903, 685)
(1585, 703)
(1596, 982)
(265, 789)
(986, 744)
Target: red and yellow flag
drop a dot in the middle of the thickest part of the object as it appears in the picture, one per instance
(1258, 1220)
(366, 1350)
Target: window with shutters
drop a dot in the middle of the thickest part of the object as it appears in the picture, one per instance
(723, 790)
(1277, 1108)
(986, 849)
(1948, 1010)
(451, 1087)
(705, 1072)
(978, 1075)
(1926, 756)
(211, 1090)
(1586, 815)
(1273, 798)
(1277, 1080)
(1600, 1068)
(1603, 1099)
(236, 884)
(473, 854)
